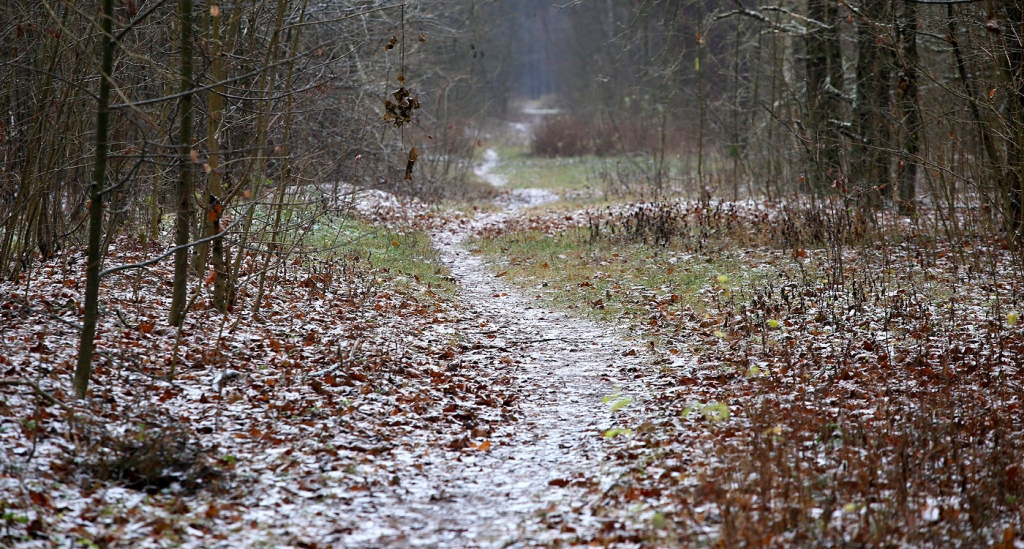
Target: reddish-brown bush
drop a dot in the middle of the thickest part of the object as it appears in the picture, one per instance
(582, 135)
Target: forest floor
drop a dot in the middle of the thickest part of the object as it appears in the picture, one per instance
(413, 401)
(537, 373)
(819, 375)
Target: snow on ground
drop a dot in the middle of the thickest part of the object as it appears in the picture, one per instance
(356, 410)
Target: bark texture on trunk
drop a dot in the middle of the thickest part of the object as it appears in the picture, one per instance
(824, 84)
(871, 155)
(183, 219)
(86, 344)
(909, 108)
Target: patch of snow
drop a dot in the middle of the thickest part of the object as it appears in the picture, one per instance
(483, 171)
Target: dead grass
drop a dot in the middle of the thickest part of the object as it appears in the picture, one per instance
(579, 134)
(404, 253)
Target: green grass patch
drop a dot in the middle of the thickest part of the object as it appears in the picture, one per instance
(524, 170)
(612, 280)
(408, 255)
(621, 177)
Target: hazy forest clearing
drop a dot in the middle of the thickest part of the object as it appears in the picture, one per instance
(507, 274)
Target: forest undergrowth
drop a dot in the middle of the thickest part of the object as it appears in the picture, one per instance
(272, 426)
(823, 378)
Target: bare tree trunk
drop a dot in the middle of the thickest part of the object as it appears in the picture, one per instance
(735, 146)
(985, 133)
(184, 187)
(287, 172)
(873, 130)
(911, 111)
(266, 85)
(700, 101)
(824, 79)
(1014, 44)
(215, 190)
(87, 342)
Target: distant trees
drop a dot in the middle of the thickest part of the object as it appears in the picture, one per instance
(880, 104)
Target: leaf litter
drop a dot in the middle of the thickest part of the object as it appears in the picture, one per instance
(360, 409)
(806, 405)
(830, 395)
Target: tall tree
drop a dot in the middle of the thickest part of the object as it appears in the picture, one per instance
(872, 157)
(183, 189)
(86, 344)
(1013, 40)
(214, 180)
(824, 84)
(907, 62)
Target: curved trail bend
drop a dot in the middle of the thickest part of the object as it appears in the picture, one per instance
(521, 492)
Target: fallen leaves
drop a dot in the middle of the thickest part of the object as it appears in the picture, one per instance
(792, 365)
(341, 371)
(460, 443)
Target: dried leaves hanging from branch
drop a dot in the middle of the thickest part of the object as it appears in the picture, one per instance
(400, 110)
(413, 155)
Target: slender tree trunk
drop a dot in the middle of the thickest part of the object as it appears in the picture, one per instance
(700, 103)
(824, 78)
(908, 92)
(215, 190)
(873, 130)
(201, 254)
(985, 134)
(86, 344)
(1014, 44)
(183, 218)
(267, 84)
(734, 146)
(287, 172)
(154, 207)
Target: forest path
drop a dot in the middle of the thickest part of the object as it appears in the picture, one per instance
(533, 486)
(485, 171)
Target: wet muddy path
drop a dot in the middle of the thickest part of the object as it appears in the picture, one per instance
(536, 482)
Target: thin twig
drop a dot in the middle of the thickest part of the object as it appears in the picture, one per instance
(25, 304)
(171, 252)
(38, 392)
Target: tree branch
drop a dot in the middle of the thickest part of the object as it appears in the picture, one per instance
(37, 391)
(171, 252)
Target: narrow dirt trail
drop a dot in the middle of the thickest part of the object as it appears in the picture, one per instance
(532, 486)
